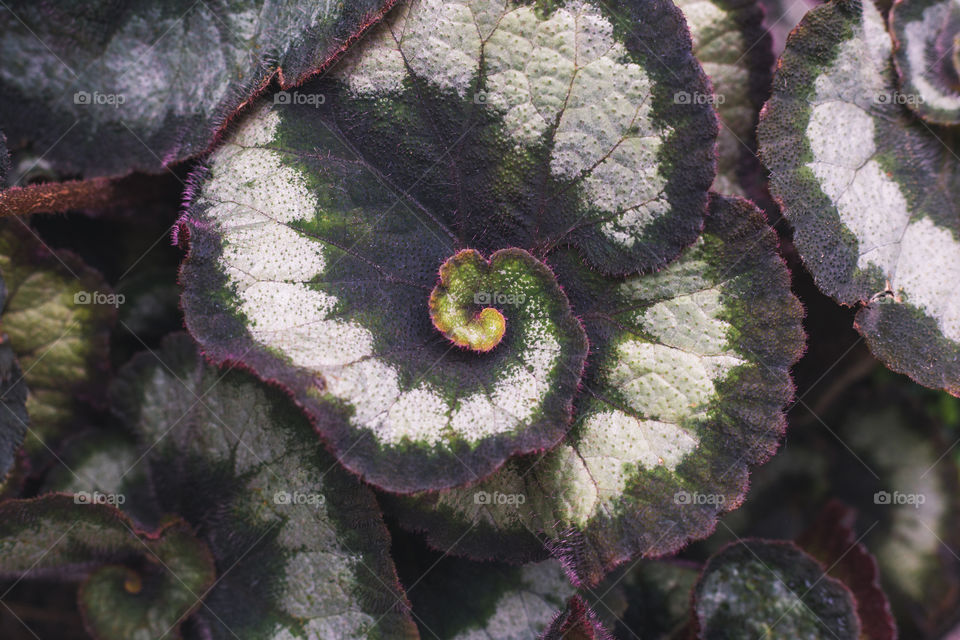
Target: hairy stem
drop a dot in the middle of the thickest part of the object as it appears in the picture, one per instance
(72, 195)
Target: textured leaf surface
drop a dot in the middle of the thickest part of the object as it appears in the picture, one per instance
(98, 88)
(927, 57)
(687, 377)
(317, 231)
(300, 546)
(869, 189)
(760, 589)
(167, 572)
(108, 463)
(731, 43)
(58, 321)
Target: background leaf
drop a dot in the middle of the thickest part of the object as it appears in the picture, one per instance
(833, 541)
(152, 84)
(869, 190)
(13, 398)
(765, 588)
(300, 546)
(926, 55)
(56, 534)
(733, 46)
(882, 448)
(57, 314)
(457, 599)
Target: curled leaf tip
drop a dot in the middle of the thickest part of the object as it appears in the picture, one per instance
(457, 303)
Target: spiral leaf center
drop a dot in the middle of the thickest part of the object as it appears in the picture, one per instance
(458, 303)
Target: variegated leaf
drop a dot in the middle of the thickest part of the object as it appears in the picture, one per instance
(869, 188)
(687, 376)
(300, 546)
(457, 599)
(731, 43)
(505, 130)
(927, 56)
(97, 88)
(772, 589)
(892, 468)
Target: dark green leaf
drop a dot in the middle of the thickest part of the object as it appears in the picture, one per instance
(58, 313)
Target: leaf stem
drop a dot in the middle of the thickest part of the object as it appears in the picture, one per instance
(92, 194)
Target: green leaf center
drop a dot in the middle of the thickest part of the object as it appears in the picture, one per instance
(457, 303)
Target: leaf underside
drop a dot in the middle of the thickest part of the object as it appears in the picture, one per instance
(831, 539)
